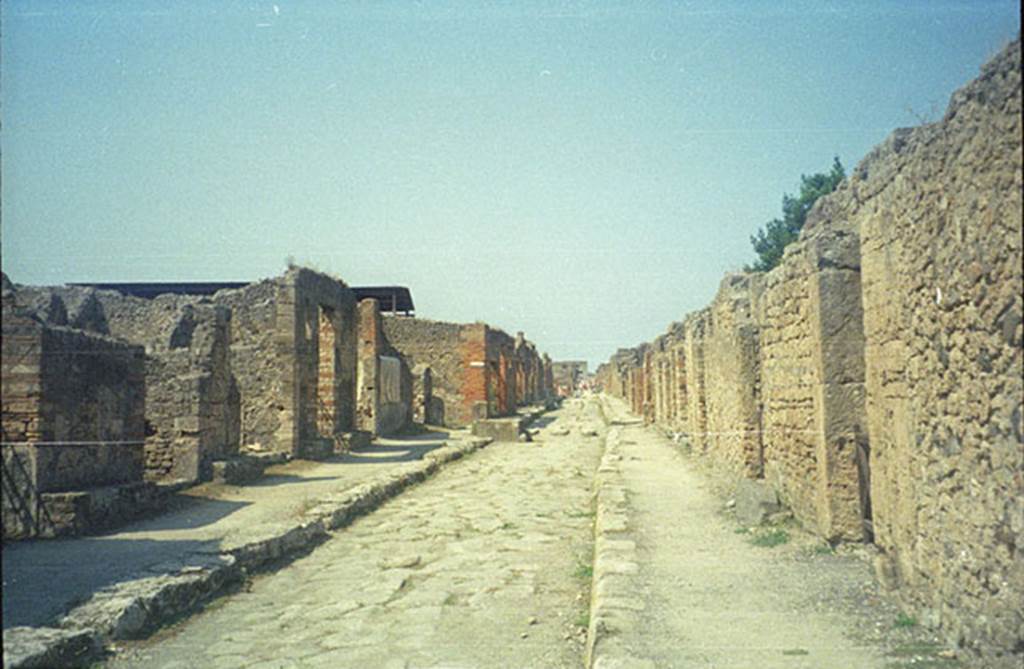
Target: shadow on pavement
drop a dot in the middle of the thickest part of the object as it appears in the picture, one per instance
(44, 579)
(543, 421)
(378, 453)
(282, 479)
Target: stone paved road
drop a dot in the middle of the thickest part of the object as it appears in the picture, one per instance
(485, 565)
(42, 579)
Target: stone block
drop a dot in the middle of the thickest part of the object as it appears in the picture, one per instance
(499, 429)
(755, 501)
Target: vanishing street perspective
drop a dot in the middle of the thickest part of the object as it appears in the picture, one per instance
(213, 458)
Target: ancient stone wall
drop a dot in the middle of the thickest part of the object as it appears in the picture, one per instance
(881, 367)
(694, 330)
(384, 398)
(192, 411)
(192, 401)
(732, 376)
(256, 354)
(505, 378)
(939, 213)
(437, 345)
(73, 416)
(293, 352)
(812, 374)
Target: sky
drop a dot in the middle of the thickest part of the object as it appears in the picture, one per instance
(585, 172)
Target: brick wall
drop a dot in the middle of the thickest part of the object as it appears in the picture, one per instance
(192, 410)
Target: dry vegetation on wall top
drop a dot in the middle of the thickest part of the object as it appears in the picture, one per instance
(874, 377)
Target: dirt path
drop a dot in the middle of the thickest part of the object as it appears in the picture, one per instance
(485, 565)
(712, 598)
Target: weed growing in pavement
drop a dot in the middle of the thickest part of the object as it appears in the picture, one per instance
(508, 526)
(771, 538)
(824, 549)
(742, 530)
(584, 570)
(914, 649)
(304, 506)
(579, 514)
(583, 620)
(904, 621)
(796, 651)
(921, 655)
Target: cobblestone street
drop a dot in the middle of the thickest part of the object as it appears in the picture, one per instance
(485, 565)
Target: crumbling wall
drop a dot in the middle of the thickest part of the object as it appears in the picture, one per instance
(732, 376)
(293, 351)
(192, 412)
(73, 413)
(437, 345)
(192, 402)
(259, 362)
(939, 211)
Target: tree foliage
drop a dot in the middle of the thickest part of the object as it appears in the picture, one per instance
(772, 239)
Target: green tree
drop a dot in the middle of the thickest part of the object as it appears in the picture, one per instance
(772, 239)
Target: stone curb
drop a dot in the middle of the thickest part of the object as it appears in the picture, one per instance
(133, 609)
(615, 603)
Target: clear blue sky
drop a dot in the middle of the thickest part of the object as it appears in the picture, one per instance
(582, 171)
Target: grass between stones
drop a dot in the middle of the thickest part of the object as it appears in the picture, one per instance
(905, 621)
(921, 656)
(770, 538)
(584, 570)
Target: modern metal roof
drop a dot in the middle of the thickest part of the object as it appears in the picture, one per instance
(392, 299)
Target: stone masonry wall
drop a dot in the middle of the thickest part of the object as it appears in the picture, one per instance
(256, 363)
(732, 376)
(814, 423)
(887, 370)
(192, 402)
(73, 414)
(380, 409)
(437, 345)
(191, 399)
(939, 212)
(694, 331)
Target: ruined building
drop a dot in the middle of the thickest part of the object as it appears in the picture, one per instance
(567, 375)
(874, 378)
(476, 371)
(115, 392)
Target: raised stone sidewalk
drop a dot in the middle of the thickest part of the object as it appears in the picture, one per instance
(63, 600)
